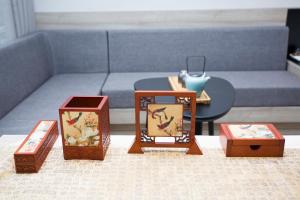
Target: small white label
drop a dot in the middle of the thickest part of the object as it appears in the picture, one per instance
(165, 139)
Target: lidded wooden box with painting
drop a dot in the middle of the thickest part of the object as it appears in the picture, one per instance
(84, 122)
(251, 140)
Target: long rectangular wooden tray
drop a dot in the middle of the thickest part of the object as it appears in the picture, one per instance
(173, 80)
(32, 153)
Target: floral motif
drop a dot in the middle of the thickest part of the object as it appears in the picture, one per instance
(83, 131)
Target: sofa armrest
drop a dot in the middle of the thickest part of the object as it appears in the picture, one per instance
(293, 68)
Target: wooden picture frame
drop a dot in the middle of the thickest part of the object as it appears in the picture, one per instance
(187, 140)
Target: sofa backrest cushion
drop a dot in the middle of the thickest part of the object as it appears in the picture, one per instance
(24, 66)
(79, 51)
(240, 48)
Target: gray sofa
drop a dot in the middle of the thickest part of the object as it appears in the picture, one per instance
(40, 71)
(252, 59)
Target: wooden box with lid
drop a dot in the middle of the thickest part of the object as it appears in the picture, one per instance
(251, 140)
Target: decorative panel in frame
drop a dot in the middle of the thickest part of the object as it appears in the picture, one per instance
(165, 120)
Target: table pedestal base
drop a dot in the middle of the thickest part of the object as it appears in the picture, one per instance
(199, 127)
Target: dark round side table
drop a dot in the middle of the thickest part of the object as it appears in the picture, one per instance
(221, 92)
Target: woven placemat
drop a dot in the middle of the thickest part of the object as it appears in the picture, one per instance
(157, 174)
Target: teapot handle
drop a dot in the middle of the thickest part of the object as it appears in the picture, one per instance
(187, 62)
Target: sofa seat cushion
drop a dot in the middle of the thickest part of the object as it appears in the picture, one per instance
(253, 88)
(46, 100)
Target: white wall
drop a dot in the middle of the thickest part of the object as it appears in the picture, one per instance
(157, 5)
(99, 14)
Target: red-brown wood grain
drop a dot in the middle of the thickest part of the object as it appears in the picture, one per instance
(258, 147)
(99, 105)
(32, 162)
(191, 145)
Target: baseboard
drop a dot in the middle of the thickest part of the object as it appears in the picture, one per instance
(237, 114)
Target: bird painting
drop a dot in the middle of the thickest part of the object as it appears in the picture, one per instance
(74, 120)
(165, 119)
